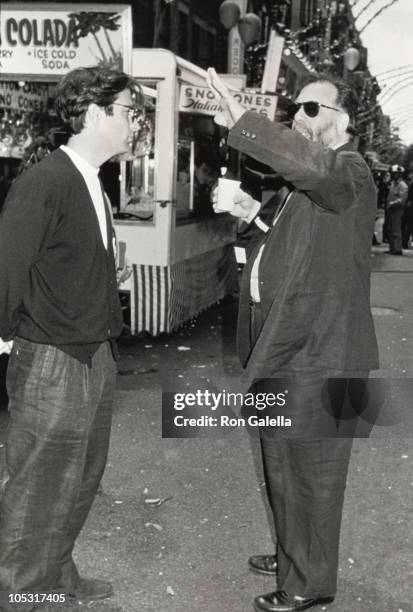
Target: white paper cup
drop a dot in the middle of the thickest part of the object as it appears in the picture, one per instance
(227, 188)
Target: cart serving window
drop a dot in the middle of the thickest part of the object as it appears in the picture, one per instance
(180, 253)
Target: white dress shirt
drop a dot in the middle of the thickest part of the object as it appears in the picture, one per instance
(90, 175)
(254, 279)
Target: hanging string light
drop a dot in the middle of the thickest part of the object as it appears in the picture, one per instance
(385, 80)
(364, 9)
(383, 8)
(379, 74)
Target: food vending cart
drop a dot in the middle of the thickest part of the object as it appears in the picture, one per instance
(180, 252)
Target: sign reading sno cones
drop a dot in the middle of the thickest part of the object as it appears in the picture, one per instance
(195, 99)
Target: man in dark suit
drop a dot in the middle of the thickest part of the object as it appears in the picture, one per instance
(407, 220)
(396, 202)
(305, 324)
(60, 307)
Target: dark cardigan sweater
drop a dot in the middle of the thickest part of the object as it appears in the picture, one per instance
(57, 280)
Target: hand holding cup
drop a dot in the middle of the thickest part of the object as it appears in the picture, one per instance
(229, 197)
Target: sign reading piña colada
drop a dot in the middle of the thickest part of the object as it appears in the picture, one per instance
(51, 39)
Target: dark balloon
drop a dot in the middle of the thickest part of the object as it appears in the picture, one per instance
(229, 14)
(249, 28)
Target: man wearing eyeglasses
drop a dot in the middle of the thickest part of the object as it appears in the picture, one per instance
(59, 306)
(305, 324)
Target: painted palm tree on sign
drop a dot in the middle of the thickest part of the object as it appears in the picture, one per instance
(88, 22)
(108, 21)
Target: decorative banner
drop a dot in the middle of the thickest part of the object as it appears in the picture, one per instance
(43, 40)
(27, 97)
(194, 99)
(235, 60)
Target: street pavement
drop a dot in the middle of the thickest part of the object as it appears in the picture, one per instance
(176, 519)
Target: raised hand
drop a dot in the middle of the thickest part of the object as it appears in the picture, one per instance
(232, 109)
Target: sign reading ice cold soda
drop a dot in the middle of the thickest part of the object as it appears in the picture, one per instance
(51, 39)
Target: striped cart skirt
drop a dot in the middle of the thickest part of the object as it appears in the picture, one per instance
(164, 297)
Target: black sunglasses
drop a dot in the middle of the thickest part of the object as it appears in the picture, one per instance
(311, 108)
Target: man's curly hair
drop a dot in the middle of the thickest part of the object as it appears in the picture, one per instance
(95, 85)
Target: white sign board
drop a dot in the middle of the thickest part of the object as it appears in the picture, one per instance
(272, 63)
(30, 97)
(44, 40)
(194, 99)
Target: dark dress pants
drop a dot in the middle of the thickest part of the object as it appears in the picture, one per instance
(305, 469)
(395, 228)
(56, 450)
(407, 224)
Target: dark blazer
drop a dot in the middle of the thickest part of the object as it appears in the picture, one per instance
(315, 269)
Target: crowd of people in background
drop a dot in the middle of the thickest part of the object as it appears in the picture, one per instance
(395, 198)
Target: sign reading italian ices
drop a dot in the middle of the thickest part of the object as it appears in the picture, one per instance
(195, 99)
(51, 39)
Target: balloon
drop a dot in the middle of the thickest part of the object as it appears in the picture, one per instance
(249, 28)
(351, 58)
(229, 14)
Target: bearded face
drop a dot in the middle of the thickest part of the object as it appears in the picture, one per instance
(326, 127)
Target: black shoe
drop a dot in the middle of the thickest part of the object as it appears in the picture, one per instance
(91, 589)
(279, 601)
(263, 564)
(393, 252)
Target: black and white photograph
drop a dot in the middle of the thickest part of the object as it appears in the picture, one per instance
(206, 306)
